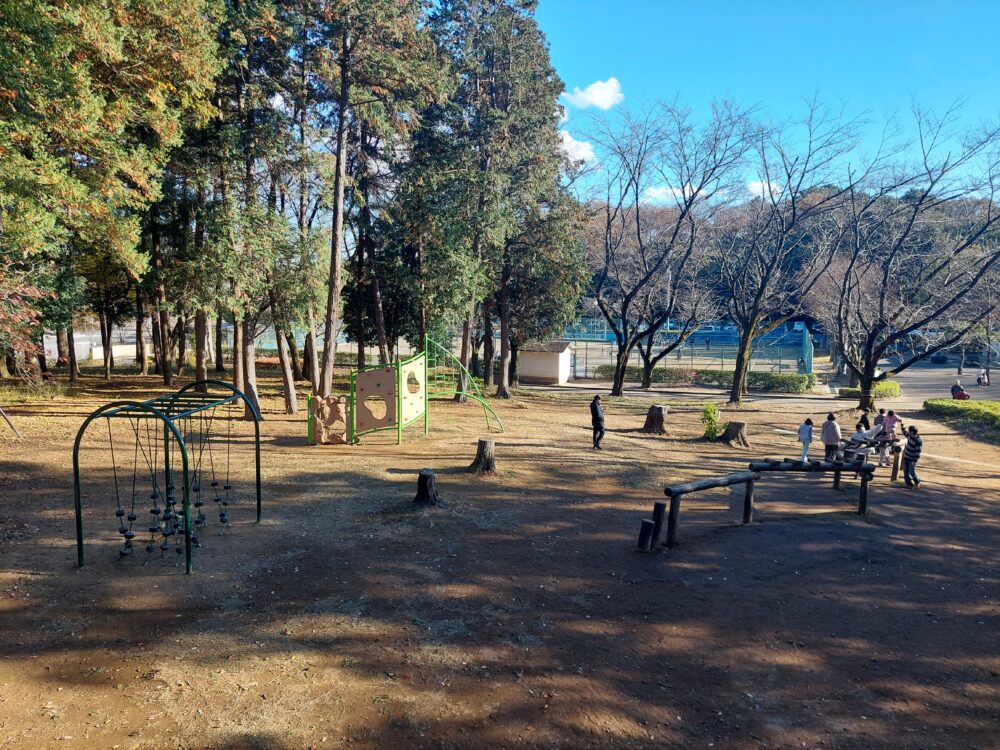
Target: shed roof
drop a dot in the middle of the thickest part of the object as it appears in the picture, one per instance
(553, 347)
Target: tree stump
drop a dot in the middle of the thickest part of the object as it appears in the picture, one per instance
(736, 435)
(656, 419)
(427, 493)
(485, 462)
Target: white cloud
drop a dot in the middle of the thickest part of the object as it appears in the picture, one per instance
(600, 94)
(660, 194)
(577, 151)
(757, 188)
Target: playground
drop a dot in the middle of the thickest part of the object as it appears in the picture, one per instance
(517, 614)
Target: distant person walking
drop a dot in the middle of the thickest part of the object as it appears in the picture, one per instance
(830, 435)
(597, 421)
(984, 378)
(911, 454)
(805, 436)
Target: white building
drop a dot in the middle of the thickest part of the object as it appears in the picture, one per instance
(544, 363)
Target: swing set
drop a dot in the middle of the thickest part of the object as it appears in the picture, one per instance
(192, 428)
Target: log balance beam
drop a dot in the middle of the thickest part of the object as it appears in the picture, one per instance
(650, 530)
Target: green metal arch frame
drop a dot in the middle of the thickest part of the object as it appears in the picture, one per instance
(168, 426)
(256, 425)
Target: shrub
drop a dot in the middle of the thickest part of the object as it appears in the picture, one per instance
(711, 418)
(883, 389)
(982, 416)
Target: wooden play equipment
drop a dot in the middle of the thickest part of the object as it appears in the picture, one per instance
(650, 530)
(392, 397)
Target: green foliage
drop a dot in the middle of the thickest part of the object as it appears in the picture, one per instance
(981, 417)
(771, 382)
(711, 418)
(883, 389)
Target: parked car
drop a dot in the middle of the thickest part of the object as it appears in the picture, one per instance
(939, 359)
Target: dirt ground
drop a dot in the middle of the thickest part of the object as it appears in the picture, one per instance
(517, 616)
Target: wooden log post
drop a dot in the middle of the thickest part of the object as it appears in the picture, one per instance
(748, 502)
(837, 467)
(645, 536)
(863, 494)
(656, 419)
(897, 457)
(485, 461)
(736, 435)
(672, 518)
(659, 514)
(427, 493)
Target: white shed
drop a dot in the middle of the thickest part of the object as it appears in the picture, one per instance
(544, 363)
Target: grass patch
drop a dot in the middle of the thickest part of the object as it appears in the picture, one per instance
(980, 418)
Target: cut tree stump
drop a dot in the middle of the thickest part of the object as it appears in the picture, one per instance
(656, 419)
(736, 435)
(427, 493)
(485, 462)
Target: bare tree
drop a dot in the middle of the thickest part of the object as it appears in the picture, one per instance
(767, 260)
(913, 246)
(659, 155)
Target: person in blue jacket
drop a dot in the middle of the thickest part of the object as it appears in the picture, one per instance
(597, 420)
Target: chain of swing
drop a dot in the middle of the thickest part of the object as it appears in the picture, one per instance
(208, 481)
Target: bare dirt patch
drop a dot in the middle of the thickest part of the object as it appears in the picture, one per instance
(517, 615)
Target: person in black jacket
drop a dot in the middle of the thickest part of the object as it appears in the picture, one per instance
(597, 420)
(911, 454)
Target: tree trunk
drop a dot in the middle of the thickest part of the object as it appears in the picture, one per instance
(250, 367)
(359, 304)
(43, 363)
(106, 343)
(201, 352)
(140, 335)
(220, 362)
(656, 419)
(181, 338)
(621, 369)
(293, 355)
(866, 400)
(514, 376)
(311, 365)
(239, 371)
(488, 344)
(284, 359)
(741, 369)
(337, 238)
(427, 493)
(736, 435)
(503, 386)
(62, 347)
(154, 326)
(74, 366)
(159, 268)
(462, 385)
(485, 462)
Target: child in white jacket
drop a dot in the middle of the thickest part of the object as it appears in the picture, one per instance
(805, 436)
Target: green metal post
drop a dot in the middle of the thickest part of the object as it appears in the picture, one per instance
(350, 419)
(399, 403)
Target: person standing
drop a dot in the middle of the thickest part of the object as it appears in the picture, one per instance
(911, 454)
(597, 420)
(863, 421)
(984, 378)
(880, 417)
(830, 435)
(805, 437)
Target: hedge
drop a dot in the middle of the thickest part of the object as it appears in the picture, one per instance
(883, 389)
(762, 381)
(980, 415)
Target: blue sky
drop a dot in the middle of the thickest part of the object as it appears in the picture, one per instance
(876, 57)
